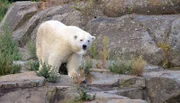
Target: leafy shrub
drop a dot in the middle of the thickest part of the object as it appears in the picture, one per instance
(8, 53)
(50, 76)
(7, 66)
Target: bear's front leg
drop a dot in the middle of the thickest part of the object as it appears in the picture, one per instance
(73, 65)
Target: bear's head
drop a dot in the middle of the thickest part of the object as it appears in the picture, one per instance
(82, 41)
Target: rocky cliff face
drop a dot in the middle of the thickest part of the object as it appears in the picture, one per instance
(136, 34)
(150, 28)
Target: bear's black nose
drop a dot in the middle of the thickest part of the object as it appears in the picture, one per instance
(84, 47)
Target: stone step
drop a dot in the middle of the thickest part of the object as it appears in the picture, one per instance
(21, 80)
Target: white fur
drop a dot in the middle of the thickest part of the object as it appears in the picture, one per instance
(57, 43)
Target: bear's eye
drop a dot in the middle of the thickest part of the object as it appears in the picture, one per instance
(88, 40)
(81, 40)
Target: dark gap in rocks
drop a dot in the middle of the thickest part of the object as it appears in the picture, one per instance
(63, 69)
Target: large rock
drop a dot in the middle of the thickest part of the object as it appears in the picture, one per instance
(28, 87)
(109, 80)
(21, 80)
(126, 37)
(163, 86)
(103, 97)
(25, 95)
(18, 14)
(138, 35)
(62, 13)
(117, 8)
(175, 42)
(115, 85)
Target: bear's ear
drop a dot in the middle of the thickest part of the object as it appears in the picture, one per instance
(75, 37)
(93, 38)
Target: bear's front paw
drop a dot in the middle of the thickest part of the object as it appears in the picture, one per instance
(73, 74)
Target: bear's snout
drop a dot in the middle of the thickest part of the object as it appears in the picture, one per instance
(84, 47)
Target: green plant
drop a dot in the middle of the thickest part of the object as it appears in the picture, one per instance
(50, 76)
(84, 71)
(44, 71)
(129, 10)
(33, 65)
(138, 65)
(83, 96)
(8, 46)
(7, 66)
(166, 54)
(4, 4)
(8, 53)
(53, 77)
(32, 48)
(87, 65)
(120, 67)
(93, 51)
(105, 52)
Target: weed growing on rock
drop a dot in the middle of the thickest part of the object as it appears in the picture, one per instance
(93, 51)
(166, 53)
(138, 65)
(87, 65)
(32, 49)
(84, 70)
(33, 65)
(8, 53)
(50, 76)
(120, 67)
(83, 96)
(44, 71)
(135, 67)
(104, 54)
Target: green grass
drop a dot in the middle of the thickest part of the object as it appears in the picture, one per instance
(4, 4)
(8, 53)
(134, 67)
(93, 51)
(120, 67)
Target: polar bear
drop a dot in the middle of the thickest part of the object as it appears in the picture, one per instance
(57, 43)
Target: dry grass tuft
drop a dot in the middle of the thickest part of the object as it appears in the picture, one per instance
(138, 65)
